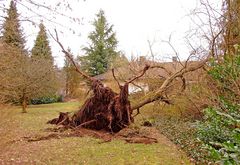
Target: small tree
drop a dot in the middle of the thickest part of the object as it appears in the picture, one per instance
(102, 50)
(41, 47)
(12, 33)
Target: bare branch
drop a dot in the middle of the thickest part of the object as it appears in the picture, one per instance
(68, 55)
(115, 78)
(137, 77)
(159, 93)
(161, 67)
(173, 48)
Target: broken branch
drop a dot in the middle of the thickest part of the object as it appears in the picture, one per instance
(137, 77)
(67, 54)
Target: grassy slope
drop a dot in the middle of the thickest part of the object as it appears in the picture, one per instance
(15, 150)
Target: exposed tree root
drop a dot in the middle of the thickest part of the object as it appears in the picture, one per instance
(105, 110)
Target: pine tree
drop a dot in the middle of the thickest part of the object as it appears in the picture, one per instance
(12, 33)
(41, 47)
(102, 50)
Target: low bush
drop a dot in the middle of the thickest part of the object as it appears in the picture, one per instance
(47, 100)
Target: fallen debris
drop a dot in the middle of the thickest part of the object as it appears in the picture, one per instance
(127, 134)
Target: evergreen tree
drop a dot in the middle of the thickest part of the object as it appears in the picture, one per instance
(41, 47)
(12, 33)
(102, 50)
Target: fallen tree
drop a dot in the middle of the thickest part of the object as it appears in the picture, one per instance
(110, 111)
(104, 110)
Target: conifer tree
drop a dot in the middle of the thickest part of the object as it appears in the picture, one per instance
(41, 47)
(102, 49)
(12, 33)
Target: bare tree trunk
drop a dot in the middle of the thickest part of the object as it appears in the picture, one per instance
(67, 87)
(24, 103)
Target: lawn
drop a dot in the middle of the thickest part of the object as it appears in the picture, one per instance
(15, 149)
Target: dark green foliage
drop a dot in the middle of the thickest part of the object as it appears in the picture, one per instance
(221, 136)
(12, 33)
(101, 52)
(41, 47)
(46, 100)
(220, 130)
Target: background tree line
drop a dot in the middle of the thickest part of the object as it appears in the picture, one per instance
(31, 76)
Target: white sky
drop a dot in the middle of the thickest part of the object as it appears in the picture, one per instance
(135, 22)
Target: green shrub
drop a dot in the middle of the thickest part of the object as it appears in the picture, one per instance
(220, 129)
(47, 100)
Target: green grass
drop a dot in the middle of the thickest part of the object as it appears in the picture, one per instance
(72, 150)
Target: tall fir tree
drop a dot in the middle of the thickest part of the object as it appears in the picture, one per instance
(102, 49)
(41, 47)
(12, 33)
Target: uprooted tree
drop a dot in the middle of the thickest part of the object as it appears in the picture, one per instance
(109, 110)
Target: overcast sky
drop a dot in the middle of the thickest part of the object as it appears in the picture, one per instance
(135, 22)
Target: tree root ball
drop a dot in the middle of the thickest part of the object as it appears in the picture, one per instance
(105, 110)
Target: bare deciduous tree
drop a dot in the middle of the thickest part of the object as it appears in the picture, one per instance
(23, 78)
